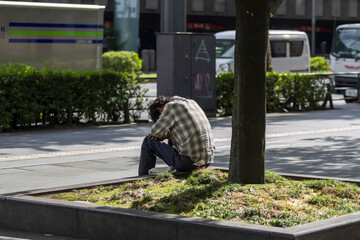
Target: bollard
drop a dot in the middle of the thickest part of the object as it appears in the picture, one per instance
(145, 58)
(152, 60)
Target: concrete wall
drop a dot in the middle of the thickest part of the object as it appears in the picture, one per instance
(88, 221)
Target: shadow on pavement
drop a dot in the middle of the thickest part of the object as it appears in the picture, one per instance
(343, 152)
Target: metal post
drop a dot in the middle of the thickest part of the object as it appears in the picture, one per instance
(179, 16)
(173, 16)
(358, 87)
(166, 16)
(313, 29)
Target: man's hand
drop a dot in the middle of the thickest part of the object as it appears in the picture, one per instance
(175, 143)
(155, 138)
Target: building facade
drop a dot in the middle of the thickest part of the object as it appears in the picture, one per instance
(218, 15)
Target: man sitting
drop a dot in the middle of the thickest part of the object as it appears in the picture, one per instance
(185, 124)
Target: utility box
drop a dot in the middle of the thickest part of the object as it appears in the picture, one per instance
(186, 67)
(64, 36)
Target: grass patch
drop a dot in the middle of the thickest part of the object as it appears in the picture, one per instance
(148, 75)
(207, 193)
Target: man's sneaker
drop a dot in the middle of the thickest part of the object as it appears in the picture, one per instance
(155, 171)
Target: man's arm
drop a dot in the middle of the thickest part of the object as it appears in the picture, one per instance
(156, 138)
(161, 129)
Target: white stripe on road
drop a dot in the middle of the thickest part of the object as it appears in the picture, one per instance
(127, 148)
(267, 146)
(298, 133)
(328, 130)
(71, 153)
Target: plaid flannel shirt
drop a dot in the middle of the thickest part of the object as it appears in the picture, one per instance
(184, 121)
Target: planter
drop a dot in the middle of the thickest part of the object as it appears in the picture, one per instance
(36, 213)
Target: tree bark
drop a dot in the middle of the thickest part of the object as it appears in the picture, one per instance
(269, 66)
(247, 155)
(274, 5)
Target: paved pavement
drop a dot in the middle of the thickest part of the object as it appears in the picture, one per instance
(18, 235)
(322, 143)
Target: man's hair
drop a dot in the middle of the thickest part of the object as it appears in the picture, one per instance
(157, 103)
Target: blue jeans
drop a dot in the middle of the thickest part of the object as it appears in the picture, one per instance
(151, 149)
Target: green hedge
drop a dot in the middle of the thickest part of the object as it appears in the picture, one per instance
(122, 61)
(224, 93)
(284, 92)
(319, 64)
(29, 96)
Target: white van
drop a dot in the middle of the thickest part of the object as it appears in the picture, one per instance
(289, 50)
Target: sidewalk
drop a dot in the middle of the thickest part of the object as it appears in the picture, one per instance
(296, 143)
(17, 235)
(323, 143)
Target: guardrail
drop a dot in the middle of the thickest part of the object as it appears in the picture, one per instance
(350, 92)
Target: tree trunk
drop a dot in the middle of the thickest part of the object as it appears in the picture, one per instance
(274, 5)
(269, 66)
(247, 155)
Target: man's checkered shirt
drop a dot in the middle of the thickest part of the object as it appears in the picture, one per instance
(184, 121)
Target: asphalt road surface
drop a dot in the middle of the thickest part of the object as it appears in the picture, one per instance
(322, 143)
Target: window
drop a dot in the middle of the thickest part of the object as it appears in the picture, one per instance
(300, 7)
(346, 44)
(198, 5)
(278, 49)
(57, 1)
(335, 8)
(101, 2)
(282, 9)
(296, 48)
(220, 6)
(353, 7)
(225, 48)
(319, 9)
(151, 4)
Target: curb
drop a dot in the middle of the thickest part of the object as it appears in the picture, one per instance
(35, 213)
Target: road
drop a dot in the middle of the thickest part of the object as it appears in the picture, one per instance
(322, 143)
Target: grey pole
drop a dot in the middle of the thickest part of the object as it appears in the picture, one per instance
(179, 15)
(165, 15)
(173, 16)
(313, 29)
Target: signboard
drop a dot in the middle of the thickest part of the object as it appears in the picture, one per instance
(63, 36)
(126, 21)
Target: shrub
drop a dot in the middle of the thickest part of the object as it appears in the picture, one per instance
(224, 93)
(29, 96)
(284, 92)
(319, 64)
(273, 100)
(299, 92)
(19, 95)
(122, 61)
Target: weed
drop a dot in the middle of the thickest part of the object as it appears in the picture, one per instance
(319, 184)
(271, 177)
(321, 200)
(204, 193)
(164, 176)
(204, 177)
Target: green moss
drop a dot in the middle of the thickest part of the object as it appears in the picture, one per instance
(279, 202)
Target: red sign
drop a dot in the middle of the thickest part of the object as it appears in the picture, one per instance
(309, 28)
(352, 67)
(204, 26)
